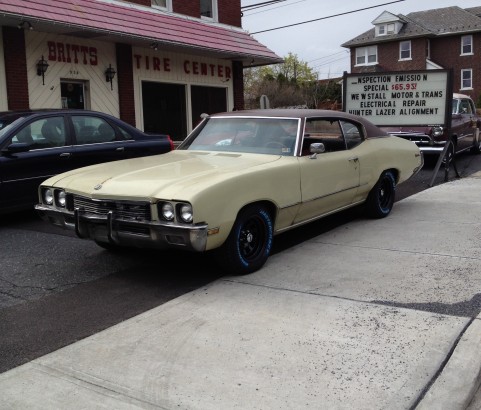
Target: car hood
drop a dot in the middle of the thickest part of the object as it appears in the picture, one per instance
(159, 176)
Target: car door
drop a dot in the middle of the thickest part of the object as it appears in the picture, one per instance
(463, 124)
(329, 180)
(31, 153)
(95, 140)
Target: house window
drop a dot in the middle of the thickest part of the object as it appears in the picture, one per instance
(390, 28)
(405, 50)
(208, 9)
(466, 79)
(466, 45)
(366, 55)
(163, 4)
(382, 30)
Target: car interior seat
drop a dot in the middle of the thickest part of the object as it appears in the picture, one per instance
(106, 132)
(25, 136)
(52, 134)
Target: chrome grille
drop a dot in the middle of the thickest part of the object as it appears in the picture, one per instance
(122, 210)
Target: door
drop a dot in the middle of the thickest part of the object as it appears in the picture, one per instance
(46, 152)
(208, 100)
(329, 180)
(164, 108)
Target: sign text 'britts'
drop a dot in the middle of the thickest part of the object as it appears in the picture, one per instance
(412, 98)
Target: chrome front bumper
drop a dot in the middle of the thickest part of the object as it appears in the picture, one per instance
(111, 229)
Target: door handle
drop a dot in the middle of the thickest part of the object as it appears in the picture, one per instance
(65, 155)
(120, 149)
(353, 159)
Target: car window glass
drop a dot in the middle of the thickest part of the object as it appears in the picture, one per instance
(275, 136)
(352, 133)
(43, 133)
(92, 130)
(465, 107)
(325, 131)
(124, 133)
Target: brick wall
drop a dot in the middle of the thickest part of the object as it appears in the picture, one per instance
(229, 12)
(125, 81)
(447, 53)
(189, 8)
(238, 83)
(16, 68)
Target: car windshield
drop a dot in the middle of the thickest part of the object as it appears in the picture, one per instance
(276, 136)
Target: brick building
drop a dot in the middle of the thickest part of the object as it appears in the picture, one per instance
(157, 64)
(446, 38)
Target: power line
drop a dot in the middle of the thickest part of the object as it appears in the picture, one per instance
(323, 18)
(273, 8)
(263, 4)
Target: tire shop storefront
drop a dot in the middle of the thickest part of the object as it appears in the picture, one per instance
(154, 70)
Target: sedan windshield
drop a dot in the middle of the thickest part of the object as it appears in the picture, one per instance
(276, 136)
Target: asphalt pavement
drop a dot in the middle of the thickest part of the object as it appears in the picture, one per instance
(372, 314)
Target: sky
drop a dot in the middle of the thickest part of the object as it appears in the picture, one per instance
(319, 43)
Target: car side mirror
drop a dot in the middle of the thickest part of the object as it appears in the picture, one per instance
(16, 147)
(316, 148)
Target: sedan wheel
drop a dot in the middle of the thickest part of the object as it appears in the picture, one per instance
(381, 198)
(476, 148)
(249, 243)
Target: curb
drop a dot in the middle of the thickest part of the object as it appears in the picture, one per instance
(460, 379)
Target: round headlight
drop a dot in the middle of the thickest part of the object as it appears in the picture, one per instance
(186, 213)
(62, 199)
(168, 211)
(48, 196)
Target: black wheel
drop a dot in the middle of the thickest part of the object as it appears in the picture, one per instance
(249, 243)
(449, 154)
(476, 148)
(381, 198)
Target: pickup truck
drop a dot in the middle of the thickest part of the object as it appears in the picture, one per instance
(465, 126)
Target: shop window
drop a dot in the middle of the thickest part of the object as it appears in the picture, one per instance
(207, 100)
(74, 94)
(164, 109)
(208, 9)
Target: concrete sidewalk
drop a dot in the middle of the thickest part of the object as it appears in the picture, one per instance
(375, 314)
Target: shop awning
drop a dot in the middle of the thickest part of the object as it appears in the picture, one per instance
(137, 25)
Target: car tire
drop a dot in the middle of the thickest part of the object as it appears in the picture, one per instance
(109, 246)
(249, 243)
(476, 148)
(380, 200)
(450, 154)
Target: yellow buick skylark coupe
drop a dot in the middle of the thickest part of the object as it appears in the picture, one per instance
(236, 181)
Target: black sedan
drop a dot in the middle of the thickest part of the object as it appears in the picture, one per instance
(35, 145)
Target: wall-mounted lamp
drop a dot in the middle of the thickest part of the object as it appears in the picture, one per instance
(154, 46)
(25, 25)
(109, 75)
(42, 66)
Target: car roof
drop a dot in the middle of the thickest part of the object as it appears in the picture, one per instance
(303, 113)
(25, 113)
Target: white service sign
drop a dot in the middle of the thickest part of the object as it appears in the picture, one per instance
(409, 98)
